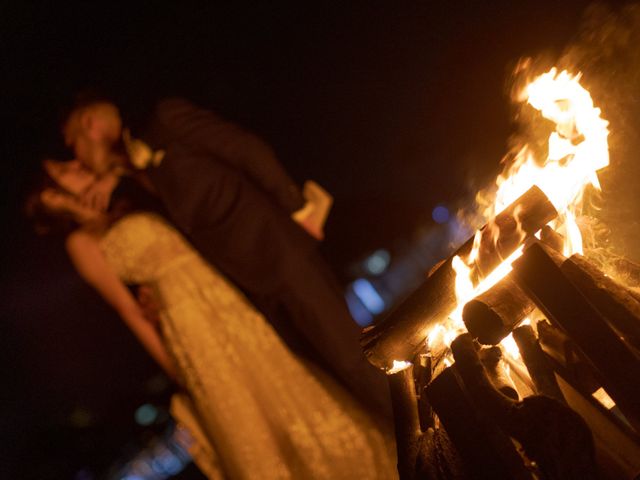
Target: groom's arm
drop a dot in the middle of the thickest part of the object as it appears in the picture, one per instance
(241, 149)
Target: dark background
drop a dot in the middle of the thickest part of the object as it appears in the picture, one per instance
(394, 107)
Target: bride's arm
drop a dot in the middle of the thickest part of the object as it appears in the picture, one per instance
(90, 263)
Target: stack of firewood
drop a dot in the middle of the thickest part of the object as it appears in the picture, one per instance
(569, 408)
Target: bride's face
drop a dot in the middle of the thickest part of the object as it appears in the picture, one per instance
(72, 176)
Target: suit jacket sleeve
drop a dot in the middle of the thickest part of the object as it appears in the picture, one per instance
(206, 131)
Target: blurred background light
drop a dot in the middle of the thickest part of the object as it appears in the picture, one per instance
(359, 312)
(165, 457)
(146, 414)
(368, 295)
(440, 214)
(377, 262)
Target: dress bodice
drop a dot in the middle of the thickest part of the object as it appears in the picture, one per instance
(141, 247)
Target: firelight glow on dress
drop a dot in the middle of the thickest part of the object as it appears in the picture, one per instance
(255, 409)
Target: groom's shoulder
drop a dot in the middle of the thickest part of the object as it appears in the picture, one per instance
(169, 106)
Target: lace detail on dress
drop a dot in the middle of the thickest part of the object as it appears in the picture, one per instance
(262, 411)
(142, 246)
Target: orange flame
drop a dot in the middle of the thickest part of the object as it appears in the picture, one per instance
(577, 150)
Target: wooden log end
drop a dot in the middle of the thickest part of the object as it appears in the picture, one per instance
(483, 323)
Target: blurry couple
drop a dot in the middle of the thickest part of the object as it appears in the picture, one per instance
(275, 386)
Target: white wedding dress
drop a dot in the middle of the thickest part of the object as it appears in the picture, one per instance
(255, 410)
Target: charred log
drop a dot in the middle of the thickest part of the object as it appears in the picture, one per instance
(407, 423)
(566, 357)
(486, 451)
(438, 458)
(401, 334)
(537, 364)
(552, 238)
(429, 455)
(493, 314)
(551, 434)
(612, 299)
(422, 370)
(617, 447)
(424, 375)
(491, 359)
(616, 365)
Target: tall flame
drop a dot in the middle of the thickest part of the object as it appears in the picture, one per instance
(577, 150)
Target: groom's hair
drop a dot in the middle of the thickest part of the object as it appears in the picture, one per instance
(82, 101)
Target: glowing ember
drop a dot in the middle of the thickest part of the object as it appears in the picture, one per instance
(510, 347)
(604, 398)
(398, 366)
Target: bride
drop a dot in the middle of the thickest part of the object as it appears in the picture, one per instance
(254, 408)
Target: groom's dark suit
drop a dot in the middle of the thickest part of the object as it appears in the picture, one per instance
(224, 188)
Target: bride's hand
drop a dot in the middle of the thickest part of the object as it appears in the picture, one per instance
(149, 305)
(98, 195)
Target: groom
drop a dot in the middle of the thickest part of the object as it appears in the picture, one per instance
(225, 189)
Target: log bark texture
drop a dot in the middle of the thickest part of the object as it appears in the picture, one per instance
(493, 314)
(552, 238)
(494, 366)
(438, 458)
(404, 330)
(615, 363)
(617, 448)
(612, 299)
(423, 376)
(566, 357)
(551, 434)
(486, 451)
(406, 421)
(537, 364)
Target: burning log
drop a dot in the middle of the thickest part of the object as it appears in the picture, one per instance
(617, 447)
(552, 238)
(609, 297)
(401, 334)
(429, 455)
(566, 357)
(493, 314)
(537, 363)
(520, 376)
(422, 370)
(551, 434)
(491, 359)
(556, 343)
(615, 364)
(424, 375)
(486, 451)
(407, 423)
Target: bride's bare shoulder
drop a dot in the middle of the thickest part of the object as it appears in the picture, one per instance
(81, 239)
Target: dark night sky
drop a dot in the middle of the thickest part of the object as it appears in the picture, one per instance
(393, 106)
